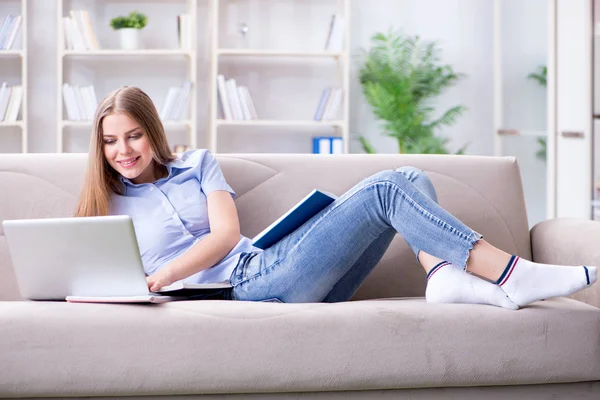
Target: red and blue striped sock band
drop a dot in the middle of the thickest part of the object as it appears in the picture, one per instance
(437, 268)
(508, 270)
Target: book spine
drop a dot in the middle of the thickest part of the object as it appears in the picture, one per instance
(183, 101)
(337, 146)
(169, 103)
(234, 101)
(222, 91)
(319, 112)
(90, 30)
(253, 114)
(13, 32)
(244, 103)
(6, 28)
(4, 95)
(15, 99)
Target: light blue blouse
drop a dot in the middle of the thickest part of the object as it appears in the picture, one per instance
(171, 214)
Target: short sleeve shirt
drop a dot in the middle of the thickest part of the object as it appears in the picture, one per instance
(171, 214)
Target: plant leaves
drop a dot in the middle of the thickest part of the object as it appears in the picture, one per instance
(400, 77)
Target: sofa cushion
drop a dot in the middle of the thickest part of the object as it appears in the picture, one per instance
(55, 348)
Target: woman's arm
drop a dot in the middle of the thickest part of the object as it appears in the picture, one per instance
(224, 235)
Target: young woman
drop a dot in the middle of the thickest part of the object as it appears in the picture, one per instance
(187, 226)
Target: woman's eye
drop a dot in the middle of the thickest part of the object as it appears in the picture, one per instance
(135, 136)
(109, 142)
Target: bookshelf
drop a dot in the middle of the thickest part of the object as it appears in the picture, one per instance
(18, 53)
(220, 53)
(109, 67)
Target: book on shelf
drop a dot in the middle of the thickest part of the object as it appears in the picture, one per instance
(9, 30)
(184, 31)
(305, 209)
(236, 101)
(335, 37)
(80, 102)
(78, 32)
(176, 103)
(11, 98)
(329, 104)
(328, 145)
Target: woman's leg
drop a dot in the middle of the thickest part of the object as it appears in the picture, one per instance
(494, 264)
(306, 265)
(345, 288)
(446, 284)
(350, 232)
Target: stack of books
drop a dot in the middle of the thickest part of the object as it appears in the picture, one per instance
(79, 34)
(176, 103)
(236, 102)
(329, 104)
(80, 102)
(328, 145)
(10, 102)
(335, 37)
(9, 30)
(184, 31)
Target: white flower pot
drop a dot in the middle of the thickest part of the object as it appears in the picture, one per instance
(129, 38)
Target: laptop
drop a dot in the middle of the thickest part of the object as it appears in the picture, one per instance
(87, 259)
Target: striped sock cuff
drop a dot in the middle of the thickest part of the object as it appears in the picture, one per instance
(508, 270)
(437, 268)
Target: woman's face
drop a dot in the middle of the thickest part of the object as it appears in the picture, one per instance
(127, 149)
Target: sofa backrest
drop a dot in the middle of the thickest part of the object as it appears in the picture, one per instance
(484, 192)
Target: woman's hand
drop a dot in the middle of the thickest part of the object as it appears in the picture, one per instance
(159, 279)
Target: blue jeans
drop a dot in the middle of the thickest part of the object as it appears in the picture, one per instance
(327, 258)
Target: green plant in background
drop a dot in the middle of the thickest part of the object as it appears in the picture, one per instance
(540, 76)
(400, 76)
(134, 20)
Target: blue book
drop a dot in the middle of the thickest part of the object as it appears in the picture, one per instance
(306, 208)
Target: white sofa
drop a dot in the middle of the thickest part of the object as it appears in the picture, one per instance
(387, 343)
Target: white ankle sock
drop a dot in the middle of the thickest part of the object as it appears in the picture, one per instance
(449, 284)
(525, 282)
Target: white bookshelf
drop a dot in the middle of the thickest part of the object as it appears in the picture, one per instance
(166, 124)
(278, 53)
(22, 55)
(218, 53)
(117, 56)
(129, 53)
(267, 122)
(11, 52)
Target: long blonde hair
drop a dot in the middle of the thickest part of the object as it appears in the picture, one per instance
(101, 180)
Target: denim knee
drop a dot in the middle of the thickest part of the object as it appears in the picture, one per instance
(407, 175)
(419, 178)
(411, 173)
(390, 175)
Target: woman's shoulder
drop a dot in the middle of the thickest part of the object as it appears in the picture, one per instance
(191, 158)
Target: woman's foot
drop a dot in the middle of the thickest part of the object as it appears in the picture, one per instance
(449, 284)
(525, 282)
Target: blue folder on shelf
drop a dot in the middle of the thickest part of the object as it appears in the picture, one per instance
(306, 208)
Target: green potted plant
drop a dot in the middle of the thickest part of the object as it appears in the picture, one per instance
(400, 76)
(129, 27)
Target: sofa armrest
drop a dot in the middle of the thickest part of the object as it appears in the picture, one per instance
(569, 241)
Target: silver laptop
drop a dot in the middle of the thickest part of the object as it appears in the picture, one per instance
(91, 259)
